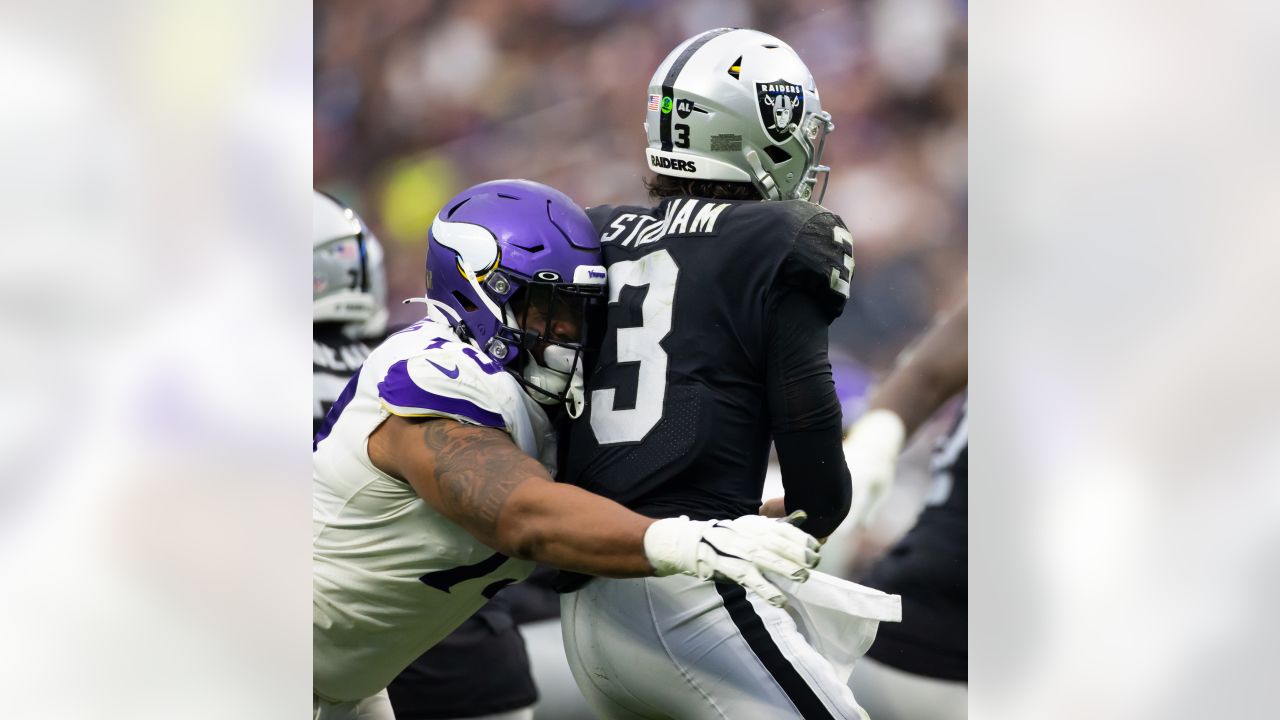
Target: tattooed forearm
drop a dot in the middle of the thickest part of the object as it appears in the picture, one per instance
(477, 469)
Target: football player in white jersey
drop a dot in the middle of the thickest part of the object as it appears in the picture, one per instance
(349, 318)
(432, 471)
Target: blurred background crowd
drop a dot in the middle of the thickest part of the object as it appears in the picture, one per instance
(415, 101)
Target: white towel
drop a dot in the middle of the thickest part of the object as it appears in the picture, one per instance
(839, 618)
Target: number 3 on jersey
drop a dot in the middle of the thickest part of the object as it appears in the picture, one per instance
(639, 345)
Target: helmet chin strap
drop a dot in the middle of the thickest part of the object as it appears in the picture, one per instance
(576, 399)
(563, 379)
(763, 180)
(560, 379)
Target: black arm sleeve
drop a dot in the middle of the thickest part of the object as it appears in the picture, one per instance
(805, 411)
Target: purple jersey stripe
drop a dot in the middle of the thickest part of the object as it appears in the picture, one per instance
(400, 390)
(331, 417)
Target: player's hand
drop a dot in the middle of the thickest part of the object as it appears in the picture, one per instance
(871, 451)
(736, 550)
(774, 508)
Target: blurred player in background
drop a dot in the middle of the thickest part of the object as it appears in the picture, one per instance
(432, 469)
(481, 668)
(717, 342)
(348, 300)
(480, 671)
(918, 669)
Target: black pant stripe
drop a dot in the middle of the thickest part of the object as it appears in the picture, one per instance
(757, 636)
(668, 83)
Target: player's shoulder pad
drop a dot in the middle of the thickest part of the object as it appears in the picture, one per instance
(821, 255)
(445, 377)
(778, 216)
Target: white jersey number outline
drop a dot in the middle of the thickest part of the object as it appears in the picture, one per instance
(639, 345)
(844, 240)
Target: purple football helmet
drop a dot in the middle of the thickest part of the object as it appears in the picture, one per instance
(504, 251)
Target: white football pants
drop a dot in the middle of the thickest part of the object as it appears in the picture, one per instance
(681, 648)
(558, 694)
(378, 707)
(374, 707)
(891, 694)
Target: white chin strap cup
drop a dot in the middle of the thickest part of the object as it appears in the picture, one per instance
(576, 401)
(556, 377)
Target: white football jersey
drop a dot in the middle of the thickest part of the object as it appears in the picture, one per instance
(392, 577)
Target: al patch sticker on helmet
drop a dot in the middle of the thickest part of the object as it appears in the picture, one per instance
(781, 104)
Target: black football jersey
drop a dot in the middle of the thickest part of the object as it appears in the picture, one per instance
(929, 568)
(677, 421)
(335, 358)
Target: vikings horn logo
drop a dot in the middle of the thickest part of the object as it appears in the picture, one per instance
(781, 104)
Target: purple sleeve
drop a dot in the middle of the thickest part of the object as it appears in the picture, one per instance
(405, 397)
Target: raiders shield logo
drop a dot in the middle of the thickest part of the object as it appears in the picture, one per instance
(781, 104)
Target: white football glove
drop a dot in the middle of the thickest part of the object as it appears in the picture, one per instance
(871, 451)
(736, 550)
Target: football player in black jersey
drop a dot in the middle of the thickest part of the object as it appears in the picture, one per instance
(720, 297)
(481, 669)
(918, 668)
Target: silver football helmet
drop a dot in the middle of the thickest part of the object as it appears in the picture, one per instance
(738, 105)
(349, 277)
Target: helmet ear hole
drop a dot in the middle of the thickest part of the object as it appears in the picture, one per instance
(454, 209)
(735, 70)
(464, 301)
(777, 154)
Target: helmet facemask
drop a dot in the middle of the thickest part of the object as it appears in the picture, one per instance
(816, 127)
(548, 322)
(791, 169)
(339, 282)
